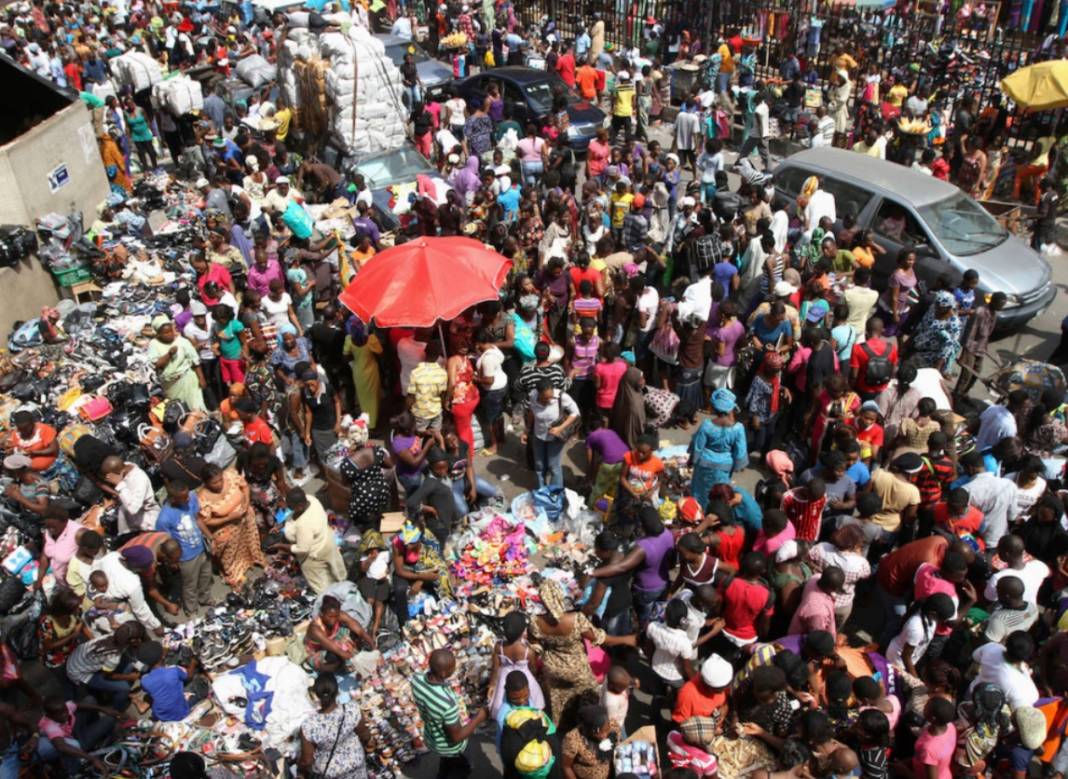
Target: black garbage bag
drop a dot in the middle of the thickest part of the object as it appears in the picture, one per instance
(11, 591)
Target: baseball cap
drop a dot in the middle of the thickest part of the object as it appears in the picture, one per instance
(197, 308)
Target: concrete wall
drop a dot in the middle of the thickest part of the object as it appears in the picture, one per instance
(24, 289)
(65, 139)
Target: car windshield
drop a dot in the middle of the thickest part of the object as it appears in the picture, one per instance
(396, 52)
(395, 167)
(963, 226)
(541, 94)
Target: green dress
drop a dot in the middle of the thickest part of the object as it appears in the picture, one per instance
(365, 375)
(178, 377)
(140, 132)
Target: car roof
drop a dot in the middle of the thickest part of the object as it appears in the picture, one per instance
(518, 74)
(391, 40)
(870, 173)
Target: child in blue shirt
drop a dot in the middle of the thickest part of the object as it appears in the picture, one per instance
(178, 518)
(165, 684)
(965, 293)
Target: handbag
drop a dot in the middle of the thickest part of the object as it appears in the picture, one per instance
(95, 409)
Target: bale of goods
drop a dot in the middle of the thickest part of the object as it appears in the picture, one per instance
(255, 71)
(136, 70)
(179, 95)
(343, 86)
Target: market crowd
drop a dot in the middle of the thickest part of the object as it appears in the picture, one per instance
(888, 599)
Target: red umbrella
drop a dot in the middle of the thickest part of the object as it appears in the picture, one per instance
(426, 280)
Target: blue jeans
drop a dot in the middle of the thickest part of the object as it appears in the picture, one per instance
(723, 81)
(9, 761)
(482, 487)
(116, 693)
(91, 729)
(298, 450)
(532, 172)
(547, 456)
(644, 600)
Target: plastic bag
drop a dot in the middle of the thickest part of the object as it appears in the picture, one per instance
(297, 220)
(551, 500)
(23, 639)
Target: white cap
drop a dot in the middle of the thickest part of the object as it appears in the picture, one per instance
(784, 289)
(674, 156)
(197, 308)
(788, 551)
(282, 180)
(454, 158)
(201, 183)
(688, 202)
(623, 75)
(717, 672)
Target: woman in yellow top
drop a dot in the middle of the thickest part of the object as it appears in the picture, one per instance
(352, 262)
(361, 350)
(865, 249)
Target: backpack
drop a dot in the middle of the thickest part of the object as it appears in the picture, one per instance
(879, 369)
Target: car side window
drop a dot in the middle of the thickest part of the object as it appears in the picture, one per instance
(790, 180)
(512, 95)
(895, 222)
(847, 198)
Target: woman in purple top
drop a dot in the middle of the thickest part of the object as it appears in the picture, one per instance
(410, 448)
(650, 559)
(725, 334)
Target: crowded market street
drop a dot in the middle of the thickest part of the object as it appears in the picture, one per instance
(394, 388)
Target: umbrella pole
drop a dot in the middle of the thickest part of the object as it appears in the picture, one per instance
(441, 335)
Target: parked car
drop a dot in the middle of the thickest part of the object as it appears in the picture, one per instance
(950, 231)
(528, 95)
(434, 74)
(389, 168)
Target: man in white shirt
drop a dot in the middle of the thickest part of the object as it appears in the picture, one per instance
(993, 495)
(821, 204)
(124, 582)
(402, 28)
(687, 135)
(824, 132)
(998, 421)
(758, 138)
(493, 383)
(861, 300)
(138, 508)
(1031, 572)
(1006, 668)
(278, 199)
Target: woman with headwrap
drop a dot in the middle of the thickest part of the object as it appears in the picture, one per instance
(936, 343)
(114, 164)
(362, 349)
(255, 182)
(763, 403)
(291, 349)
(565, 667)
(416, 564)
(465, 181)
(510, 655)
(586, 751)
(718, 447)
(628, 411)
(177, 365)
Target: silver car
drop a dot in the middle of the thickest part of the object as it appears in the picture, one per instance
(434, 74)
(950, 231)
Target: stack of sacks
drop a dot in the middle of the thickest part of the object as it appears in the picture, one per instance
(136, 70)
(255, 71)
(361, 101)
(179, 95)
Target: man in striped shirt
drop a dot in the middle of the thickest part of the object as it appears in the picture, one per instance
(440, 709)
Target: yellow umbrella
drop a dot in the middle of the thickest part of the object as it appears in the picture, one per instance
(1040, 87)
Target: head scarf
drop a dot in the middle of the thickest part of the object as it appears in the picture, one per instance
(723, 400)
(552, 597)
(284, 330)
(357, 330)
(138, 556)
(160, 322)
(410, 534)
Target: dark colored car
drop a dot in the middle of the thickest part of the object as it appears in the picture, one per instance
(528, 96)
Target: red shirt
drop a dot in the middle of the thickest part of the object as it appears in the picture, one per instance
(730, 546)
(743, 602)
(898, 569)
(805, 514)
(578, 275)
(74, 75)
(858, 361)
(259, 432)
(696, 699)
(958, 526)
(220, 276)
(565, 66)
